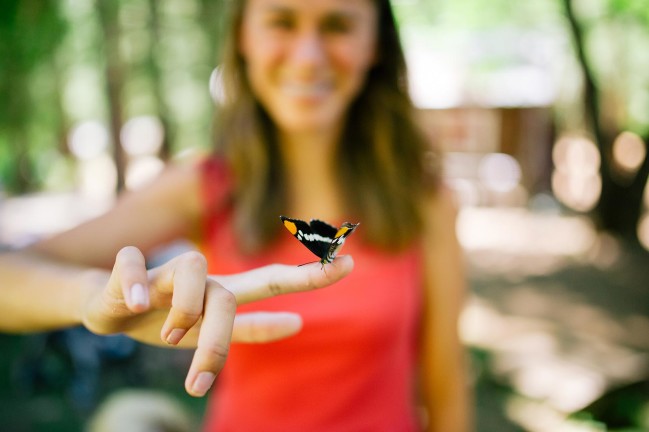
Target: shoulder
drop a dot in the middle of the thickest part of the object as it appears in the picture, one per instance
(186, 186)
(214, 179)
(214, 175)
(175, 190)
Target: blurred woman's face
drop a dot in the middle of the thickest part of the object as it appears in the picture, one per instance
(306, 60)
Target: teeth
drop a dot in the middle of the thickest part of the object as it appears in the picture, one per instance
(305, 90)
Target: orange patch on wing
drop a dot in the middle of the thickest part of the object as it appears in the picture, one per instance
(290, 226)
(341, 231)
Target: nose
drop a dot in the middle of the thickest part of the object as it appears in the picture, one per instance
(308, 50)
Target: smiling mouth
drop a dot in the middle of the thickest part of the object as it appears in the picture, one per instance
(306, 91)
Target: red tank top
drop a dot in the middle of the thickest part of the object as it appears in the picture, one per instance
(352, 366)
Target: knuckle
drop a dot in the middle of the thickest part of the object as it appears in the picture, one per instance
(216, 353)
(195, 260)
(219, 350)
(225, 298)
(185, 318)
(275, 288)
(126, 251)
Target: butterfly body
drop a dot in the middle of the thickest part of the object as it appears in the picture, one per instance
(322, 239)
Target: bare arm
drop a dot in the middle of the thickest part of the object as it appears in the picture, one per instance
(67, 280)
(166, 209)
(444, 371)
(46, 285)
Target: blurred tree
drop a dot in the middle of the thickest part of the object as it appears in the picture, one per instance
(621, 202)
(66, 62)
(25, 56)
(153, 57)
(109, 13)
(156, 76)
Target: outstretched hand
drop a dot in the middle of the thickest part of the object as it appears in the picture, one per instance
(178, 303)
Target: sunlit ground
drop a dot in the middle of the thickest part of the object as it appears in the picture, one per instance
(558, 313)
(562, 311)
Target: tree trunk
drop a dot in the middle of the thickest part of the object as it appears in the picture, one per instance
(153, 61)
(110, 29)
(620, 205)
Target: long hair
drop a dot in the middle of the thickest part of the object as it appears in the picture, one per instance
(381, 158)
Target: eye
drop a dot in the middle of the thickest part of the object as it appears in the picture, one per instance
(337, 25)
(281, 22)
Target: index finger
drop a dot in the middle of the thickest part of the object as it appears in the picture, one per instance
(279, 279)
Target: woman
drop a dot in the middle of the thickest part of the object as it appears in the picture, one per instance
(316, 123)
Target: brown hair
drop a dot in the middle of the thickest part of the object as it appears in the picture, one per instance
(381, 160)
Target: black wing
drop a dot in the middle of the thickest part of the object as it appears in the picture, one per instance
(323, 228)
(317, 243)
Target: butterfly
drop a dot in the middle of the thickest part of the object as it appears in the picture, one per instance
(319, 237)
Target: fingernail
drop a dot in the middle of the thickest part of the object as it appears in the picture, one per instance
(203, 382)
(175, 336)
(139, 296)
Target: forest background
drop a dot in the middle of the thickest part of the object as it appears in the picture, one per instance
(541, 108)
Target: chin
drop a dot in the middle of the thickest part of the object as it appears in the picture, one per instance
(307, 126)
(305, 122)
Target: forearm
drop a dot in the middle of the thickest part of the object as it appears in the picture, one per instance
(38, 293)
(449, 403)
(448, 396)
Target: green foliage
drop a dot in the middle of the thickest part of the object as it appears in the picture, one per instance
(634, 9)
(53, 74)
(31, 31)
(477, 14)
(621, 38)
(53, 63)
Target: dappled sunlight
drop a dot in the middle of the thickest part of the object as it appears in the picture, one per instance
(88, 140)
(536, 416)
(643, 230)
(142, 136)
(142, 139)
(562, 384)
(436, 78)
(643, 224)
(548, 311)
(499, 172)
(97, 177)
(526, 242)
(89, 143)
(629, 151)
(485, 179)
(550, 358)
(450, 67)
(27, 218)
(576, 181)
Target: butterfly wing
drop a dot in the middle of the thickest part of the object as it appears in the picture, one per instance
(323, 228)
(316, 242)
(339, 238)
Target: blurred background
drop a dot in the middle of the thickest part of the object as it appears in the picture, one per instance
(540, 106)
